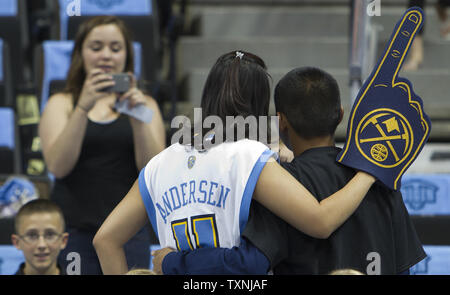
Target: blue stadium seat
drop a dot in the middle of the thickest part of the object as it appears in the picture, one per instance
(7, 130)
(8, 8)
(10, 259)
(137, 14)
(8, 138)
(55, 63)
(76, 8)
(436, 263)
(426, 194)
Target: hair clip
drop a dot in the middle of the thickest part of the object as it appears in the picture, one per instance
(239, 54)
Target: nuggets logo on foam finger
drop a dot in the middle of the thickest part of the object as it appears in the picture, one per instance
(384, 137)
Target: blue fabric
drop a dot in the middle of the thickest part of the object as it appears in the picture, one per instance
(388, 127)
(426, 194)
(69, 8)
(15, 192)
(250, 187)
(57, 59)
(245, 259)
(7, 128)
(8, 8)
(148, 203)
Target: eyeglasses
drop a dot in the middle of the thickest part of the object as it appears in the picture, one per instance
(33, 237)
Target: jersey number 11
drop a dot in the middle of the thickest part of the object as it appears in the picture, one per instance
(204, 231)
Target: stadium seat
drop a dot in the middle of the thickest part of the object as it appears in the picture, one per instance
(14, 31)
(437, 261)
(6, 86)
(9, 152)
(426, 197)
(137, 14)
(10, 259)
(53, 62)
(426, 194)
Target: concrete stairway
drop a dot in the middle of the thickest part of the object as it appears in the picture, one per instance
(297, 33)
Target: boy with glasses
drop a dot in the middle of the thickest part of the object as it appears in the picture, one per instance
(39, 227)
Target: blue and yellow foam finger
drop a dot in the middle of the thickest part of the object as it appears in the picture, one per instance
(388, 127)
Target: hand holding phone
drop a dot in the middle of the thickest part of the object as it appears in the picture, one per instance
(133, 103)
(122, 83)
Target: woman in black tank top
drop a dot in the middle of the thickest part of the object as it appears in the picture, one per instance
(94, 152)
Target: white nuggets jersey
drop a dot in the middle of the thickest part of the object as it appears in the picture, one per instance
(197, 199)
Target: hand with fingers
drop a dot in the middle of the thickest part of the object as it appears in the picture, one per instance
(135, 104)
(133, 95)
(388, 127)
(96, 80)
(158, 257)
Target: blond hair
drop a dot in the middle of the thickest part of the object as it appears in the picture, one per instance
(346, 271)
(37, 206)
(141, 271)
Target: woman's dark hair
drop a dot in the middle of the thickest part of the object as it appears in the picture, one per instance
(77, 73)
(237, 85)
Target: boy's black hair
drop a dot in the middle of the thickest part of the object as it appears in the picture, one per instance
(310, 99)
(37, 206)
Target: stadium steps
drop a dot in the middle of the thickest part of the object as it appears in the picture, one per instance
(286, 36)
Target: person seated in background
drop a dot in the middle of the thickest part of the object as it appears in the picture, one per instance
(40, 235)
(93, 151)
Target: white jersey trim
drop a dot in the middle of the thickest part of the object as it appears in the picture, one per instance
(250, 187)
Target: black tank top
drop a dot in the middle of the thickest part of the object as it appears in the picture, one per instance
(103, 175)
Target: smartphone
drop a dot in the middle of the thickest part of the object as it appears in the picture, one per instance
(122, 83)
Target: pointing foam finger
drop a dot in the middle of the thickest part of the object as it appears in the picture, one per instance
(397, 47)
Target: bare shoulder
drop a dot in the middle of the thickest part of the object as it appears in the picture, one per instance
(60, 102)
(54, 117)
(151, 102)
(59, 107)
